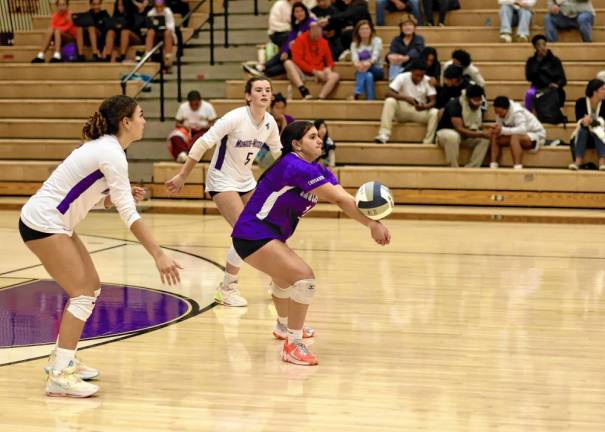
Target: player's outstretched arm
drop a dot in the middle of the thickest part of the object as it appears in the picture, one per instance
(335, 194)
(167, 266)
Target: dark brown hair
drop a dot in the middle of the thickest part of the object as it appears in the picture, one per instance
(106, 120)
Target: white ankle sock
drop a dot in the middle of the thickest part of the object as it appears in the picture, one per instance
(41, 55)
(57, 55)
(283, 321)
(494, 165)
(518, 166)
(62, 358)
(294, 335)
(229, 278)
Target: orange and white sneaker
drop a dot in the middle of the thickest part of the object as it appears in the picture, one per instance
(280, 331)
(297, 353)
(67, 383)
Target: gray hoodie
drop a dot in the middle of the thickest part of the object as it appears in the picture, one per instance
(571, 8)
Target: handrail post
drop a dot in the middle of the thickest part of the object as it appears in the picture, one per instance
(255, 7)
(162, 82)
(179, 53)
(226, 16)
(123, 84)
(211, 19)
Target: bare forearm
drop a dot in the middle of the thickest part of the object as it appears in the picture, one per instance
(347, 205)
(143, 234)
(188, 167)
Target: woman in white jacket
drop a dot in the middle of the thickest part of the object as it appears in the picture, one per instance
(515, 127)
(519, 12)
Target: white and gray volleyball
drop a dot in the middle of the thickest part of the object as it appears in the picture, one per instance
(374, 200)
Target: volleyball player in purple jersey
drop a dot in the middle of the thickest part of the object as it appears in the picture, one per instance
(284, 194)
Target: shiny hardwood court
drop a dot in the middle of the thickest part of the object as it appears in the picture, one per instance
(457, 326)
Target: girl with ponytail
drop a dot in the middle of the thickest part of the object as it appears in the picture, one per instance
(287, 191)
(96, 173)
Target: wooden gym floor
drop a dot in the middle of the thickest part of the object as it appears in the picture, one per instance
(457, 326)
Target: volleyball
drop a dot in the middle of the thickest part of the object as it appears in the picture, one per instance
(374, 200)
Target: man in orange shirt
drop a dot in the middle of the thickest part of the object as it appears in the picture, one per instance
(61, 30)
(312, 59)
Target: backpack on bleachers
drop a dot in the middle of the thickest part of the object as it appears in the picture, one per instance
(548, 107)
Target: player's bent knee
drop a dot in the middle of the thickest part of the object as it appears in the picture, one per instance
(303, 291)
(81, 307)
(281, 293)
(233, 258)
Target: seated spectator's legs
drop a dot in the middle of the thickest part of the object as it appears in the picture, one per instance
(449, 139)
(554, 23)
(168, 47)
(295, 78)
(110, 39)
(375, 73)
(530, 95)
(428, 12)
(380, 8)
(507, 12)
(274, 66)
(80, 40)
(332, 79)
(585, 21)
(517, 144)
(583, 137)
(525, 16)
(279, 38)
(480, 147)
(177, 146)
(404, 112)
(127, 38)
(394, 70)
(443, 8)
(197, 133)
(149, 39)
(360, 83)
(414, 6)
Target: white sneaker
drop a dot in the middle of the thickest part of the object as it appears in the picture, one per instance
(518, 166)
(505, 37)
(381, 139)
(573, 167)
(229, 295)
(182, 157)
(67, 383)
(83, 371)
(280, 331)
(494, 165)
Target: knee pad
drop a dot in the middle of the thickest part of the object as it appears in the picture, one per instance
(81, 307)
(303, 291)
(233, 258)
(281, 293)
(97, 293)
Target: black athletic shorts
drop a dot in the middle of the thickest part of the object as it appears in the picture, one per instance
(213, 193)
(28, 234)
(245, 248)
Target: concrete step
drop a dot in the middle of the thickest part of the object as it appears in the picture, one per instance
(71, 71)
(65, 89)
(514, 89)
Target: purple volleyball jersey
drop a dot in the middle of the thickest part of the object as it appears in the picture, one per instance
(281, 198)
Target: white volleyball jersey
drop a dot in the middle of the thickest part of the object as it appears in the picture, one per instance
(91, 172)
(240, 140)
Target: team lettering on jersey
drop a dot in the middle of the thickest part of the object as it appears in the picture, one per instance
(315, 180)
(249, 143)
(309, 197)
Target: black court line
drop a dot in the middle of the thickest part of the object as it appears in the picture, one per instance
(22, 281)
(392, 252)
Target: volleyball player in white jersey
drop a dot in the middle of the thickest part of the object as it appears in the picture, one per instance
(238, 135)
(96, 173)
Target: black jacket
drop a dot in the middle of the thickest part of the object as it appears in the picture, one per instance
(357, 11)
(581, 110)
(543, 72)
(412, 50)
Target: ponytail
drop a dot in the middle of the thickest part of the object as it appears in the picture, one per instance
(106, 120)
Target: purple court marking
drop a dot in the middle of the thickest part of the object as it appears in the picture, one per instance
(30, 313)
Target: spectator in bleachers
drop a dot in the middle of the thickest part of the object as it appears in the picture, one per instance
(279, 104)
(279, 21)
(325, 8)
(461, 124)
(442, 7)
(410, 6)
(301, 19)
(126, 24)
(193, 119)
(454, 82)
(462, 58)
(93, 35)
(180, 7)
(543, 70)
(590, 132)
(516, 127)
(328, 155)
(515, 12)
(366, 53)
(312, 59)
(61, 30)
(167, 34)
(356, 10)
(433, 66)
(410, 98)
(405, 47)
(565, 14)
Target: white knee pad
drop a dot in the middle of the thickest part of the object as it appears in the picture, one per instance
(233, 258)
(303, 291)
(97, 293)
(281, 293)
(81, 307)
